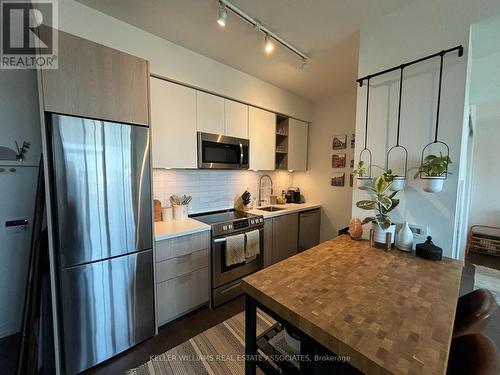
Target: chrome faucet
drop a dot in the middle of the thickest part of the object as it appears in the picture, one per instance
(260, 187)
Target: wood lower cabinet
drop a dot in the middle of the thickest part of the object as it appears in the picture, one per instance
(268, 242)
(280, 238)
(182, 275)
(182, 294)
(98, 82)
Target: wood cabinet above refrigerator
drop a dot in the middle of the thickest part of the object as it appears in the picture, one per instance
(96, 81)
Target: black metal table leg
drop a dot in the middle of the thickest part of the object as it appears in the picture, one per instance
(250, 336)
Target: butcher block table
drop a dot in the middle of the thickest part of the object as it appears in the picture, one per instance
(388, 311)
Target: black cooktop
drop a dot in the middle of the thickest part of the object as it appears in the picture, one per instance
(221, 216)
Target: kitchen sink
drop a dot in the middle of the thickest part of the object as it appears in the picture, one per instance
(270, 208)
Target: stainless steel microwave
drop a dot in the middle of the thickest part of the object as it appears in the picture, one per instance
(222, 152)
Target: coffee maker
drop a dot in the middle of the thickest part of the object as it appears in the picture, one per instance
(293, 195)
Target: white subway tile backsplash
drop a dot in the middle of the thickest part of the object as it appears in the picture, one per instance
(214, 189)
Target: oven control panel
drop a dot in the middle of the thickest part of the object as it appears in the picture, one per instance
(237, 225)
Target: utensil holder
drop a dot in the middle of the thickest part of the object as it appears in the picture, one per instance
(180, 212)
(167, 214)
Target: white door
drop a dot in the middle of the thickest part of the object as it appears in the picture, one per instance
(262, 135)
(236, 119)
(173, 125)
(297, 145)
(209, 113)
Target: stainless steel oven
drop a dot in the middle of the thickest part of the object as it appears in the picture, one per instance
(226, 280)
(222, 152)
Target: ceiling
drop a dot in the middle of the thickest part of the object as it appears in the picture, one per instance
(326, 30)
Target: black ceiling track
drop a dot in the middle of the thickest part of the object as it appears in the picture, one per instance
(460, 50)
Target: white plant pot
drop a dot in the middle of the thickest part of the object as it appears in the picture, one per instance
(433, 184)
(398, 183)
(363, 182)
(379, 234)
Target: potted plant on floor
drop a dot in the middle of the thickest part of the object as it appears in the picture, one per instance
(362, 181)
(433, 172)
(382, 203)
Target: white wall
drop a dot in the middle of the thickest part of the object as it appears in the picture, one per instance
(331, 116)
(19, 120)
(485, 205)
(418, 29)
(178, 63)
(215, 189)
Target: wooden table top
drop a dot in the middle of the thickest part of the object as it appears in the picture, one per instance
(389, 311)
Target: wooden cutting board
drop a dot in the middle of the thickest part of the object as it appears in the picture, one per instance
(157, 210)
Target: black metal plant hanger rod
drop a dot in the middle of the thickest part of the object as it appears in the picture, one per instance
(460, 50)
(402, 67)
(399, 106)
(441, 63)
(366, 132)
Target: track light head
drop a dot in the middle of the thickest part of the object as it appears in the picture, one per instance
(268, 44)
(222, 17)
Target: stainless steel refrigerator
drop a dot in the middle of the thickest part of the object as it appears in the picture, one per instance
(102, 195)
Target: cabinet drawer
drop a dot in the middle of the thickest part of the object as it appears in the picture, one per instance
(174, 267)
(183, 245)
(181, 294)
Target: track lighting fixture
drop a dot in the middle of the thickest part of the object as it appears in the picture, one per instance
(268, 44)
(221, 19)
(270, 37)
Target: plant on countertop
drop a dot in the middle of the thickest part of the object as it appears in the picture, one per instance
(434, 166)
(381, 202)
(21, 151)
(360, 169)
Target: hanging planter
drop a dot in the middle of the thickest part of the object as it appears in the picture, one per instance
(364, 175)
(362, 180)
(398, 181)
(433, 169)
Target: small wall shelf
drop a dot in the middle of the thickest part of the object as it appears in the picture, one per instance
(282, 142)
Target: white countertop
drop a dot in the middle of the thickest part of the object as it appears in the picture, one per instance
(287, 209)
(176, 228)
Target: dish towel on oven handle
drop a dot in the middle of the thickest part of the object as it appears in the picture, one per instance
(253, 243)
(235, 249)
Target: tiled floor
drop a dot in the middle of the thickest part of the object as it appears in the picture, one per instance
(181, 330)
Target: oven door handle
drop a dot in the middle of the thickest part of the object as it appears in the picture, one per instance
(220, 240)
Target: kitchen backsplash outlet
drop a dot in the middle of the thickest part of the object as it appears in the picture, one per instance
(214, 189)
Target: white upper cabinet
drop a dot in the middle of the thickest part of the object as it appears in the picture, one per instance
(173, 125)
(297, 145)
(262, 135)
(236, 119)
(209, 113)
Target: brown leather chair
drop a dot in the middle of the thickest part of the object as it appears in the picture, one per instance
(474, 311)
(473, 354)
